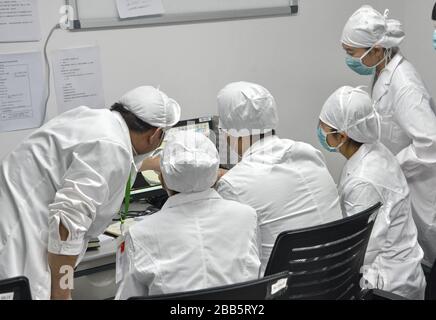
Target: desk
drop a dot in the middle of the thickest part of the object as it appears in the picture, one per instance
(94, 278)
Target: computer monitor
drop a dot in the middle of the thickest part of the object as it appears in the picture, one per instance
(147, 184)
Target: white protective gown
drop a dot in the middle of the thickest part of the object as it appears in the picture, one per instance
(408, 129)
(74, 169)
(198, 240)
(393, 257)
(288, 184)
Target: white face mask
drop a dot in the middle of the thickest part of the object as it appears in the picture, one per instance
(137, 163)
(139, 158)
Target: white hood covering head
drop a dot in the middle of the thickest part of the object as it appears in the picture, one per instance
(152, 106)
(367, 28)
(351, 110)
(189, 162)
(246, 109)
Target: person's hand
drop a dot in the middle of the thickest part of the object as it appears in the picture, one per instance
(61, 270)
(151, 164)
(221, 173)
(61, 295)
(62, 275)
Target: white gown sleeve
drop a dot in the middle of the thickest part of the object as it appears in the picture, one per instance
(358, 196)
(416, 117)
(97, 170)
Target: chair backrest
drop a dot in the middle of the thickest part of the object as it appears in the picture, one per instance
(271, 287)
(324, 262)
(15, 289)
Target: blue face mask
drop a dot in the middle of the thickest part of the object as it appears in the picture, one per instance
(357, 66)
(322, 137)
(434, 39)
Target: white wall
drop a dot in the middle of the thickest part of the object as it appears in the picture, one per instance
(418, 46)
(298, 58)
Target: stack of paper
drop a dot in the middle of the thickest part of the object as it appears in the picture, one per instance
(93, 244)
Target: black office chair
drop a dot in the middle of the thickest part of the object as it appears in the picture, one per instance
(324, 262)
(379, 295)
(430, 293)
(17, 288)
(268, 288)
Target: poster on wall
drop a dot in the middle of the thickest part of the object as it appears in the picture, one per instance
(78, 78)
(19, 21)
(139, 8)
(21, 91)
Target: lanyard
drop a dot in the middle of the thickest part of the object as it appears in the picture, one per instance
(126, 202)
(119, 275)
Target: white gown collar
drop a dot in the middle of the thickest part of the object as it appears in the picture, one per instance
(183, 198)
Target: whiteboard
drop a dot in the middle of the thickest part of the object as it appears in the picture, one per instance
(91, 14)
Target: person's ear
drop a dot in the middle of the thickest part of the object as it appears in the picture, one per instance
(343, 137)
(379, 52)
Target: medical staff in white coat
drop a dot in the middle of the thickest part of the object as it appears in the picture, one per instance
(65, 182)
(350, 125)
(408, 120)
(286, 181)
(198, 240)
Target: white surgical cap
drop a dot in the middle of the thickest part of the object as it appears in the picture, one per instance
(350, 110)
(189, 162)
(367, 27)
(246, 109)
(152, 106)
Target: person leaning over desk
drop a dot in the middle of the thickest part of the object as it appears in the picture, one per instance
(64, 183)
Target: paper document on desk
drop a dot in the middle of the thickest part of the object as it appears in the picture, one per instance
(151, 177)
(105, 238)
(115, 229)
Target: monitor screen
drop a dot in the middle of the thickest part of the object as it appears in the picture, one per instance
(147, 183)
